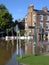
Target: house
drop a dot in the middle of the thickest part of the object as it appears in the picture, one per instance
(40, 19)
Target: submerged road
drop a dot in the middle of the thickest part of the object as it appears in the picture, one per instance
(13, 61)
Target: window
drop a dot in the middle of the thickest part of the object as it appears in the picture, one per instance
(47, 25)
(26, 24)
(34, 17)
(41, 17)
(41, 24)
(47, 17)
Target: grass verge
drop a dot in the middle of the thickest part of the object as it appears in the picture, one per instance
(34, 60)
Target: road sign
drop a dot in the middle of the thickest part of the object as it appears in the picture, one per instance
(16, 28)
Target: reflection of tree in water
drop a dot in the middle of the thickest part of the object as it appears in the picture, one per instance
(5, 54)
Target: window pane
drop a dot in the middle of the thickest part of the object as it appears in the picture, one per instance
(47, 25)
(34, 18)
(41, 24)
(47, 18)
(41, 17)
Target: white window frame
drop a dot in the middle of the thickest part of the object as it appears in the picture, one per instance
(47, 25)
(41, 24)
(47, 17)
(34, 17)
(41, 17)
(26, 24)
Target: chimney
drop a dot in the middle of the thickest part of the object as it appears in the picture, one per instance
(44, 9)
(30, 8)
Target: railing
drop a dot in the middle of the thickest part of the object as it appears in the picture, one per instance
(15, 37)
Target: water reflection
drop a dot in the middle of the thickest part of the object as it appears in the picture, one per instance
(8, 56)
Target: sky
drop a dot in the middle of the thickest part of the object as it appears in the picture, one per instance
(19, 8)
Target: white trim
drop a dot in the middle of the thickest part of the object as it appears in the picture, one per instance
(41, 17)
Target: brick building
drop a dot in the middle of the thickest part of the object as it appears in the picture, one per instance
(41, 18)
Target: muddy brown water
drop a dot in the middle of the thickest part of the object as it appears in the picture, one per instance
(8, 53)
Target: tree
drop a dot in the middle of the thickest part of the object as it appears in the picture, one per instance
(5, 18)
(22, 32)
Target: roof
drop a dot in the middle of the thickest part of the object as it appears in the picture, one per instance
(41, 12)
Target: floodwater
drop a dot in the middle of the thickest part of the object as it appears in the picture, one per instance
(8, 53)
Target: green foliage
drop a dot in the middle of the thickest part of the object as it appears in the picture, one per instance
(5, 18)
(2, 7)
(22, 32)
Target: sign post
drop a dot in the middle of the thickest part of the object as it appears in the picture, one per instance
(18, 46)
(16, 29)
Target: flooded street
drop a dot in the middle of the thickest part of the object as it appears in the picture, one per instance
(8, 55)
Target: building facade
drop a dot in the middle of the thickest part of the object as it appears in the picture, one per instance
(41, 19)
